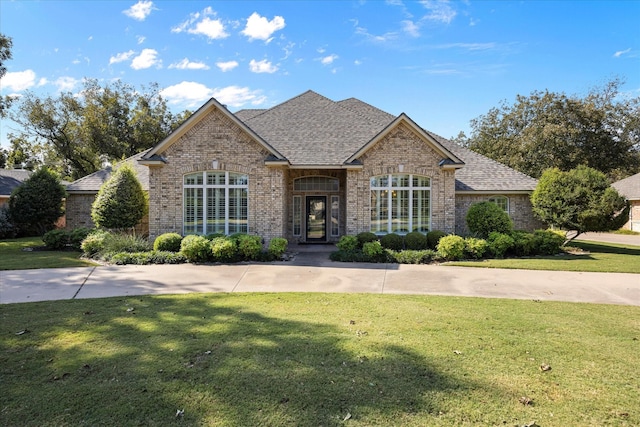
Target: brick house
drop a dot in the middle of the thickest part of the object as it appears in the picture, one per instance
(630, 188)
(312, 169)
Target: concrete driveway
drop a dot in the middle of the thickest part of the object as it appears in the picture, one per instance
(314, 272)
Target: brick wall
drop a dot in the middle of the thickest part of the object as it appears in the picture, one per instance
(78, 213)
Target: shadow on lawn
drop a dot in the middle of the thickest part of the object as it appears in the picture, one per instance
(609, 249)
(220, 364)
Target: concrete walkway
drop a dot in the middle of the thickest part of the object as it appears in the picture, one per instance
(314, 272)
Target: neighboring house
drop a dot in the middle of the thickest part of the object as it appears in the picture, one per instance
(312, 169)
(9, 180)
(82, 192)
(630, 188)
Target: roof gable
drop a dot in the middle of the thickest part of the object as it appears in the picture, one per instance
(92, 182)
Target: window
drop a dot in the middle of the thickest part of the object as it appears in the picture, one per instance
(297, 215)
(400, 204)
(316, 183)
(215, 202)
(335, 212)
(501, 201)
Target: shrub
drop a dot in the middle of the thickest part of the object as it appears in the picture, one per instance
(195, 248)
(372, 249)
(56, 239)
(250, 247)
(277, 247)
(548, 242)
(475, 248)
(348, 256)
(392, 241)
(523, 243)
(409, 256)
(144, 258)
(451, 247)
(348, 243)
(365, 237)
(77, 236)
(121, 202)
(223, 249)
(433, 237)
(119, 242)
(416, 241)
(7, 229)
(214, 235)
(486, 217)
(168, 242)
(94, 243)
(499, 244)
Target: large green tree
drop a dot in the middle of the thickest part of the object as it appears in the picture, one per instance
(76, 133)
(5, 54)
(121, 203)
(547, 129)
(578, 201)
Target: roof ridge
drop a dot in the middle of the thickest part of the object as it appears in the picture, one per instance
(268, 110)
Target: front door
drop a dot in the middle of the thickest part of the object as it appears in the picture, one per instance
(316, 218)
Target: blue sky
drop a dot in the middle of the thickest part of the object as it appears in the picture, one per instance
(443, 63)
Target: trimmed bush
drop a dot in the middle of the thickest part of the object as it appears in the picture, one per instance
(94, 243)
(416, 241)
(499, 244)
(523, 243)
(475, 248)
(413, 257)
(224, 249)
(487, 217)
(56, 239)
(348, 256)
(121, 202)
(7, 229)
(365, 237)
(392, 241)
(548, 242)
(77, 236)
(151, 257)
(451, 247)
(195, 248)
(168, 242)
(277, 247)
(347, 243)
(214, 235)
(249, 247)
(372, 249)
(433, 238)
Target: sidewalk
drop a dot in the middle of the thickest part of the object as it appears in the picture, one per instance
(314, 272)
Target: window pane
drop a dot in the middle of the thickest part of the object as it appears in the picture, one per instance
(297, 215)
(400, 181)
(193, 179)
(501, 201)
(215, 178)
(420, 211)
(380, 181)
(215, 210)
(421, 181)
(193, 211)
(335, 211)
(237, 179)
(316, 183)
(238, 211)
(379, 211)
(400, 211)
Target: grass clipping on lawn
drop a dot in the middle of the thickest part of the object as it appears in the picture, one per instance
(318, 359)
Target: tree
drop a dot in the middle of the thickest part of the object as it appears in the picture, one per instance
(76, 135)
(483, 218)
(546, 130)
(121, 202)
(5, 54)
(579, 200)
(36, 205)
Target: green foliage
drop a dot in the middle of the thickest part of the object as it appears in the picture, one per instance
(94, 243)
(392, 241)
(548, 242)
(499, 244)
(121, 202)
(223, 249)
(59, 239)
(249, 247)
(372, 249)
(195, 248)
(149, 257)
(36, 205)
(451, 247)
(486, 217)
(168, 242)
(475, 248)
(416, 241)
(524, 243)
(7, 229)
(366, 236)
(433, 237)
(277, 247)
(349, 256)
(347, 243)
(580, 200)
(408, 256)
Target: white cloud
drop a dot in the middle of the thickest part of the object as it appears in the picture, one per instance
(263, 66)
(120, 57)
(75, 61)
(18, 80)
(327, 60)
(227, 66)
(141, 39)
(193, 95)
(260, 28)
(43, 81)
(211, 28)
(140, 10)
(439, 11)
(66, 83)
(147, 58)
(185, 64)
(357, 62)
(411, 28)
(384, 38)
(619, 53)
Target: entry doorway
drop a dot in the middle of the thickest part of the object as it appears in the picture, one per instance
(316, 212)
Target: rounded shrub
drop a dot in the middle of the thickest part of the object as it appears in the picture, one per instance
(277, 247)
(249, 247)
(523, 243)
(499, 244)
(56, 239)
(392, 241)
(372, 249)
(451, 247)
(475, 248)
(195, 248)
(416, 241)
(94, 243)
(347, 243)
(77, 236)
(223, 249)
(487, 217)
(365, 237)
(548, 242)
(168, 242)
(433, 237)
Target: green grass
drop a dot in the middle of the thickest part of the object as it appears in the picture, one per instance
(601, 257)
(316, 359)
(13, 257)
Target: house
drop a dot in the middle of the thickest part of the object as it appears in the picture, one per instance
(9, 180)
(630, 188)
(312, 169)
(82, 192)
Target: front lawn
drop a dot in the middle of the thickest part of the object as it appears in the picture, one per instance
(318, 359)
(13, 255)
(598, 257)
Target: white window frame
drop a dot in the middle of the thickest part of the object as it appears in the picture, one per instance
(495, 199)
(390, 189)
(297, 216)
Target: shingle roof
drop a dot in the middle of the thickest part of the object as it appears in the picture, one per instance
(12, 178)
(93, 182)
(629, 187)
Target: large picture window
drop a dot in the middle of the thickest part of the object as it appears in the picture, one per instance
(215, 202)
(400, 204)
